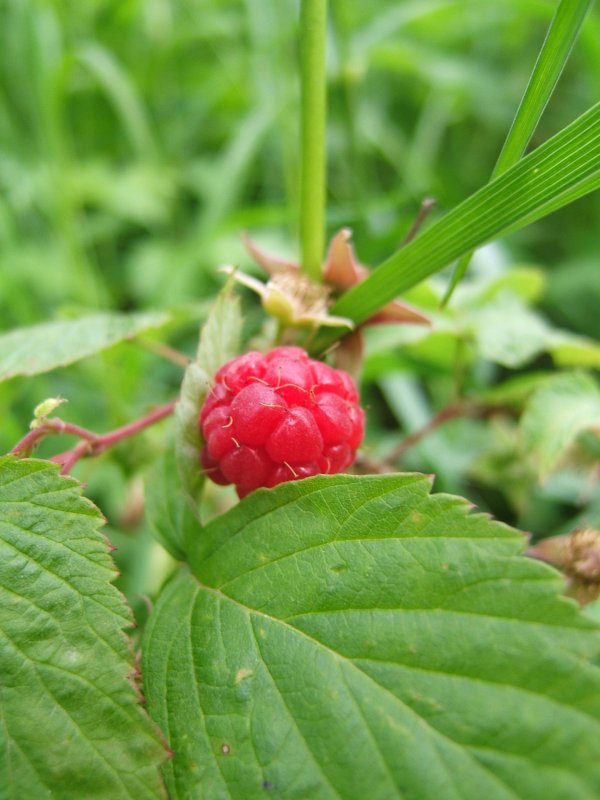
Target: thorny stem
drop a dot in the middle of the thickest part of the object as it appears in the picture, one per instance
(92, 444)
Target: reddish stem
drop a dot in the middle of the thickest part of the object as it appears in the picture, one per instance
(457, 409)
(451, 411)
(92, 444)
(50, 426)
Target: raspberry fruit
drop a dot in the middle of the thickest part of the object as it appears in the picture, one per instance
(278, 417)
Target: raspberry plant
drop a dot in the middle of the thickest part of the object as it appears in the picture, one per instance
(338, 628)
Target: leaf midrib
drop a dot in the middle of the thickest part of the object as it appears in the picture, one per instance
(82, 736)
(350, 663)
(346, 660)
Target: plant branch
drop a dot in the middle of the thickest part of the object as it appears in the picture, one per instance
(460, 408)
(449, 412)
(91, 444)
(54, 425)
(313, 24)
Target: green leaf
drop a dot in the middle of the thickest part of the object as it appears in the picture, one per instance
(219, 342)
(526, 283)
(41, 348)
(562, 34)
(521, 195)
(169, 511)
(569, 350)
(508, 333)
(557, 413)
(356, 637)
(71, 721)
(514, 391)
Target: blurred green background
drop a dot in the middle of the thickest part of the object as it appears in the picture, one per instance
(138, 138)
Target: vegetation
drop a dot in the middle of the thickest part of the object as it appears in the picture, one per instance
(342, 636)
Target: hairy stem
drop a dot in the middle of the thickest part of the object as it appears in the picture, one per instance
(91, 444)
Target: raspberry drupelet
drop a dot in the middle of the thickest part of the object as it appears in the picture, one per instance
(278, 417)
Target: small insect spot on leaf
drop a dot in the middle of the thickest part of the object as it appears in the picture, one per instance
(242, 673)
(225, 749)
(267, 785)
(339, 568)
(444, 566)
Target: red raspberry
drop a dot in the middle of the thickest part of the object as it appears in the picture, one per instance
(278, 417)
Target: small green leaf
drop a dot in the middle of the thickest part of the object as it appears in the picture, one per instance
(41, 348)
(514, 391)
(569, 350)
(219, 342)
(526, 283)
(43, 410)
(169, 510)
(557, 413)
(72, 724)
(220, 335)
(355, 637)
(508, 333)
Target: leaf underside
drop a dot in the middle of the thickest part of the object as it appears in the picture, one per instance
(41, 348)
(356, 637)
(71, 724)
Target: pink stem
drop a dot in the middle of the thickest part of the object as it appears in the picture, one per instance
(93, 444)
(51, 426)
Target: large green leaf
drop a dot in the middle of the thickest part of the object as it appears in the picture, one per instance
(40, 348)
(355, 637)
(559, 171)
(71, 725)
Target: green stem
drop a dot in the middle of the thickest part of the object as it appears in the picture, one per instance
(313, 20)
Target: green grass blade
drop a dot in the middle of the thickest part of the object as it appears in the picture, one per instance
(123, 95)
(561, 37)
(562, 34)
(562, 169)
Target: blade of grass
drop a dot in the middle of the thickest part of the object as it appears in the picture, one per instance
(556, 173)
(557, 46)
(313, 22)
(122, 93)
